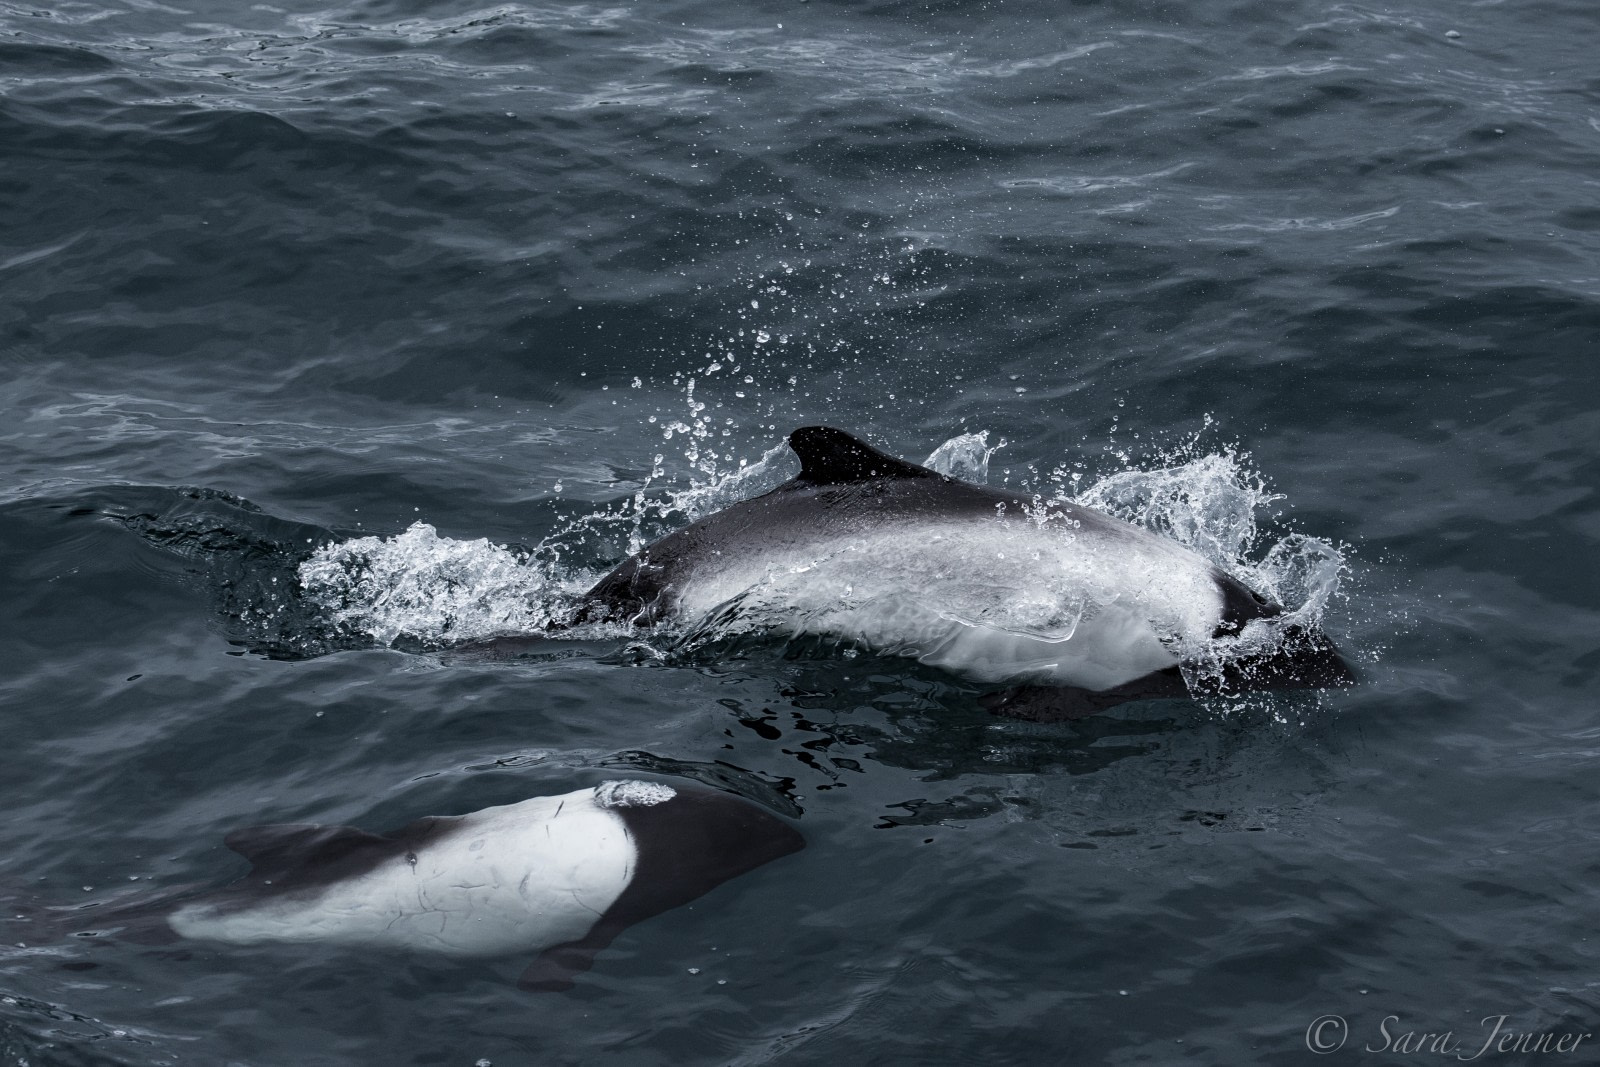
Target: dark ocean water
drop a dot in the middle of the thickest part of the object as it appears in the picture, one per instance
(275, 277)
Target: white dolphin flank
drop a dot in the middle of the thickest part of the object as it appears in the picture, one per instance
(519, 877)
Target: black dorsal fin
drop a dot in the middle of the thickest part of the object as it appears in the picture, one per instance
(833, 457)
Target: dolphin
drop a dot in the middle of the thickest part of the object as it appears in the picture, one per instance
(556, 875)
(1071, 609)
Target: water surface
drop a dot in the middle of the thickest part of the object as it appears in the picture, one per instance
(280, 277)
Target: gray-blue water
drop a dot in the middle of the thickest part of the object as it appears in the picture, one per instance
(276, 277)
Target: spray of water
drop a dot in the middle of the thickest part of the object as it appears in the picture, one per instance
(965, 456)
(420, 588)
(1209, 503)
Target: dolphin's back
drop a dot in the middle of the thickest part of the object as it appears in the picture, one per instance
(845, 488)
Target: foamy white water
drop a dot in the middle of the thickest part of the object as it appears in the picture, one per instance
(432, 589)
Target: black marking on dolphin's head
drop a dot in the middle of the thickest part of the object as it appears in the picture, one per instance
(833, 457)
(691, 843)
(1302, 659)
(1241, 604)
(687, 845)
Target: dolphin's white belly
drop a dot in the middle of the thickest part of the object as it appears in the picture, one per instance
(1114, 647)
(523, 876)
(997, 601)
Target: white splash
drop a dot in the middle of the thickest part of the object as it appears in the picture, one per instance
(426, 587)
(776, 466)
(965, 456)
(632, 794)
(1209, 505)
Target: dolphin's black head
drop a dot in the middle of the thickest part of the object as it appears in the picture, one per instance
(694, 842)
(833, 457)
(687, 846)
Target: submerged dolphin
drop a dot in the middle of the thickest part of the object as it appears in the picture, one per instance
(1074, 609)
(561, 876)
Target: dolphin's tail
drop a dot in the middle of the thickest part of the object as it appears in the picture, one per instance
(136, 917)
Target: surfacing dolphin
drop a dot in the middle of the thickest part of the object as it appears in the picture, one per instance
(1073, 610)
(560, 876)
